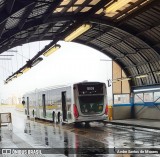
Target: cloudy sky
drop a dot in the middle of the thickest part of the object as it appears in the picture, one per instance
(71, 63)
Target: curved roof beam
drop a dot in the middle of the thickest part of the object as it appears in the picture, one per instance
(128, 45)
(132, 35)
(128, 30)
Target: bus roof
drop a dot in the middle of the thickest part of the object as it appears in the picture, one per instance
(62, 86)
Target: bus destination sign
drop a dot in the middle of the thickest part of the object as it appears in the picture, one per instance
(90, 89)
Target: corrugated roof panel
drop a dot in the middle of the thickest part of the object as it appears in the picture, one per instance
(14, 19)
(107, 39)
(84, 37)
(137, 43)
(152, 35)
(155, 70)
(114, 35)
(120, 33)
(92, 33)
(38, 10)
(133, 71)
(157, 7)
(2, 3)
(150, 54)
(155, 65)
(21, 35)
(151, 79)
(136, 58)
(112, 49)
(54, 29)
(11, 23)
(49, 34)
(129, 63)
(125, 48)
(145, 68)
(39, 30)
(126, 62)
(136, 24)
(151, 15)
(145, 20)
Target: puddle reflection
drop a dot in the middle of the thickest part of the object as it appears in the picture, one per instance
(91, 141)
(46, 135)
(27, 128)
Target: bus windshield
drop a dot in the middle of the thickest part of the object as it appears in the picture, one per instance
(91, 104)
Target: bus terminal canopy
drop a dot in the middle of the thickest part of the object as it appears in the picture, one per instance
(128, 31)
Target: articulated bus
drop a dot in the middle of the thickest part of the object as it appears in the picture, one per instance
(79, 102)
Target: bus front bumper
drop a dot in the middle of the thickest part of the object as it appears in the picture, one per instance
(91, 118)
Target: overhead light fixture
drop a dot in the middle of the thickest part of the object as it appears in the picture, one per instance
(51, 50)
(38, 60)
(141, 76)
(19, 74)
(25, 69)
(80, 30)
(118, 4)
(10, 78)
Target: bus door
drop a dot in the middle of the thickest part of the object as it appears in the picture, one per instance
(44, 105)
(64, 106)
(27, 106)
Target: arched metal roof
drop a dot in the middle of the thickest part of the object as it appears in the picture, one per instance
(130, 35)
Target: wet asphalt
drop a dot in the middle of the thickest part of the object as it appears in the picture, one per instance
(67, 140)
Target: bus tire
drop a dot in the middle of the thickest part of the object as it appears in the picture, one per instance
(53, 117)
(87, 125)
(77, 124)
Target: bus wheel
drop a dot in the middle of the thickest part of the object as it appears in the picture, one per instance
(53, 116)
(59, 116)
(77, 124)
(87, 125)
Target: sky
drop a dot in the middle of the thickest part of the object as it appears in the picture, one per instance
(71, 63)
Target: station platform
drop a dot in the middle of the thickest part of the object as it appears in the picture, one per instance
(143, 123)
(50, 139)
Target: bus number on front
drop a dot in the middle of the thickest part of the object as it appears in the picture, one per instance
(90, 88)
